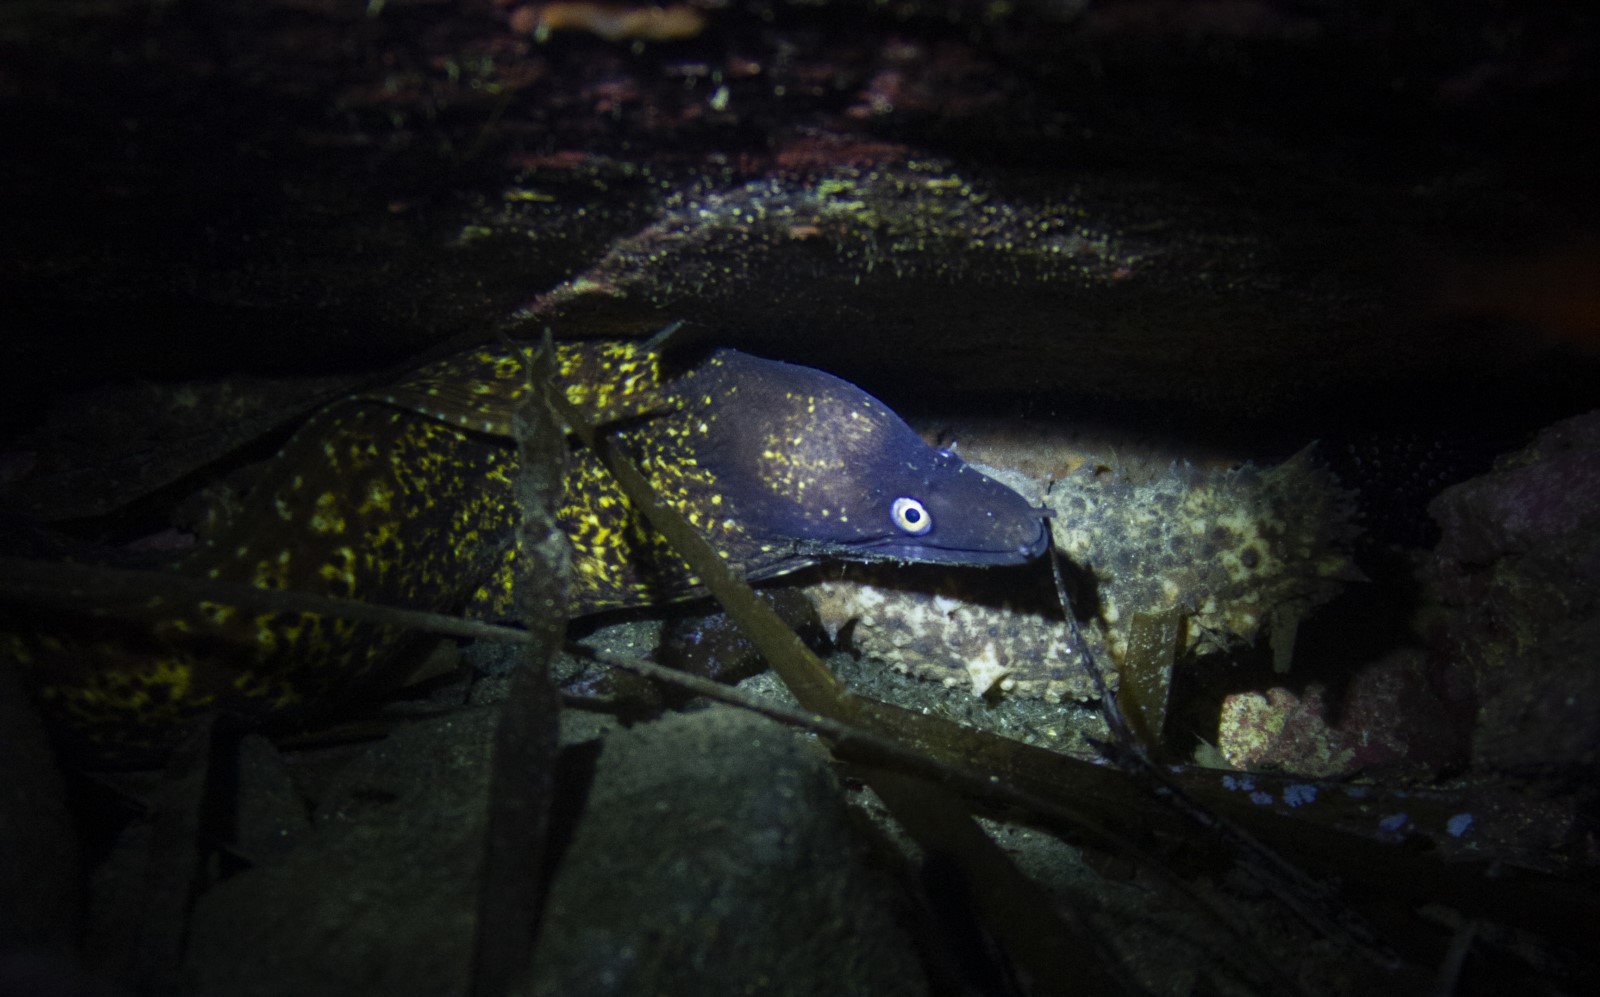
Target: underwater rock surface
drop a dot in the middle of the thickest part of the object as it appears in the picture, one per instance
(715, 856)
(1242, 553)
(1509, 617)
(1515, 590)
(955, 629)
(1389, 718)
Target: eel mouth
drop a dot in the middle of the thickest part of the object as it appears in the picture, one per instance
(1023, 547)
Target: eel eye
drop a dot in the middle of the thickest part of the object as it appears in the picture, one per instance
(909, 515)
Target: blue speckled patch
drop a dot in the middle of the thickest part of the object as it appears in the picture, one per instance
(1242, 782)
(1394, 823)
(1298, 793)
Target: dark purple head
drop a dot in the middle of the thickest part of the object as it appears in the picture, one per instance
(812, 462)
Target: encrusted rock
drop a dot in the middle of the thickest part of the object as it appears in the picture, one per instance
(1388, 717)
(949, 627)
(1512, 597)
(1240, 552)
(715, 855)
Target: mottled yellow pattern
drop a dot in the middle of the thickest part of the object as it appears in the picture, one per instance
(401, 500)
(400, 497)
(404, 497)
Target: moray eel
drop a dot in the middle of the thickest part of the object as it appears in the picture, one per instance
(404, 497)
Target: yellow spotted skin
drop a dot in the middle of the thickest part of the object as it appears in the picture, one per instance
(404, 497)
(366, 502)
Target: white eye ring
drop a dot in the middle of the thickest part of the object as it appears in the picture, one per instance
(911, 516)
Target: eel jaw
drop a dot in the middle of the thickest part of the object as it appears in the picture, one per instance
(924, 550)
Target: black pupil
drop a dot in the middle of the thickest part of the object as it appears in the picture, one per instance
(913, 515)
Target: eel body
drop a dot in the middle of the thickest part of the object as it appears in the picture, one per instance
(404, 497)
